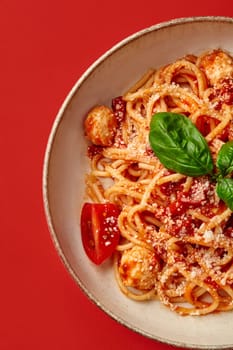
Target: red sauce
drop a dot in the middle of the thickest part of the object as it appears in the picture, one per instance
(169, 188)
(119, 108)
(174, 214)
(226, 92)
(126, 269)
(93, 150)
(223, 94)
(185, 226)
(228, 230)
(209, 281)
(204, 122)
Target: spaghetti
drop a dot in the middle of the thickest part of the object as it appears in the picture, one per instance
(176, 234)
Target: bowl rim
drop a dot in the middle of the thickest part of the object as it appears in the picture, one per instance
(46, 163)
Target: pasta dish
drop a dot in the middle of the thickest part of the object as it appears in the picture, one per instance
(175, 232)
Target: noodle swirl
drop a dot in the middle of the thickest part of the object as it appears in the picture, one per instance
(176, 234)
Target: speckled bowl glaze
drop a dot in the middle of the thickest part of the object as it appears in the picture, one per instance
(65, 165)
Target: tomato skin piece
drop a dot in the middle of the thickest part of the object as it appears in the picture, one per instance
(99, 230)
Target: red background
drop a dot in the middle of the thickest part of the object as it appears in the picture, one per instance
(44, 48)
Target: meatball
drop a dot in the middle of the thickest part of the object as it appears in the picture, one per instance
(100, 126)
(217, 65)
(138, 268)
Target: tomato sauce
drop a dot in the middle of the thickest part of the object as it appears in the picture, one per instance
(175, 215)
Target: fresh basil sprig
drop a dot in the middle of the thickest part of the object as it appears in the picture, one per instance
(224, 190)
(225, 159)
(181, 147)
(224, 164)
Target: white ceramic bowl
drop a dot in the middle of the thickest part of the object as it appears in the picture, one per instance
(66, 163)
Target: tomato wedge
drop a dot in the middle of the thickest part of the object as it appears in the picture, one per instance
(99, 230)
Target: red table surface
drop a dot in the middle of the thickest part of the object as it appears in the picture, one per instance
(45, 46)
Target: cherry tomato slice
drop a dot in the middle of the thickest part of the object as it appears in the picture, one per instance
(99, 230)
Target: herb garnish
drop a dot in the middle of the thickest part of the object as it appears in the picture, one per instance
(180, 147)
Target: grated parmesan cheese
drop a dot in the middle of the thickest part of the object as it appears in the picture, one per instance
(208, 236)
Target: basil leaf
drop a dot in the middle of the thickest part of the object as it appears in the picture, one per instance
(224, 190)
(179, 145)
(225, 158)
